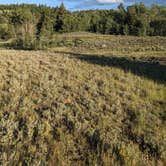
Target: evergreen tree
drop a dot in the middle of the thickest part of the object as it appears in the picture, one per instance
(31, 23)
(60, 18)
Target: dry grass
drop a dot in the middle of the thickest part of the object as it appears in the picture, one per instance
(67, 107)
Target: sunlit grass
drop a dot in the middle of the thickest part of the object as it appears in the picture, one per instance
(57, 107)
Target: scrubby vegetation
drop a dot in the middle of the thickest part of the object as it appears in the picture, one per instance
(92, 102)
(82, 98)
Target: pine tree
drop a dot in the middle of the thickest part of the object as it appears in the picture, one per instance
(60, 18)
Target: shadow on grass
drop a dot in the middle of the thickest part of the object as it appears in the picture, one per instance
(150, 68)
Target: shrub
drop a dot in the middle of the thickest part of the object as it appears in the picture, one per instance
(4, 32)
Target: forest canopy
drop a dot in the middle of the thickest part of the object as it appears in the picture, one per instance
(36, 23)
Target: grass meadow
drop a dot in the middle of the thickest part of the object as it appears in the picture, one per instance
(92, 100)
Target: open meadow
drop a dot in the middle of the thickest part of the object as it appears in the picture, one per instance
(96, 100)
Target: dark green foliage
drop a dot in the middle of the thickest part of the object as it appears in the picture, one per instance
(39, 23)
(158, 23)
(61, 15)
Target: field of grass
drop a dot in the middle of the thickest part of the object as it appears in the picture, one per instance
(99, 101)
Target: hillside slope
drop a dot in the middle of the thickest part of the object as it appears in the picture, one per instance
(67, 107)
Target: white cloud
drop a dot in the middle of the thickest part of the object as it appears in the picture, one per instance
(109, 1)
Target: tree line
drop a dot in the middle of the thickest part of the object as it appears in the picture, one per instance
(37, 23)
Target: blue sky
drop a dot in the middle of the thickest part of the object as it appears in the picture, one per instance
(85, 4)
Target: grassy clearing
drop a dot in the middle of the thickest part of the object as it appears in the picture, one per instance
(76, 106)
(112, 43)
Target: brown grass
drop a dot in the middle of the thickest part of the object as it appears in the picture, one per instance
(75, 107)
